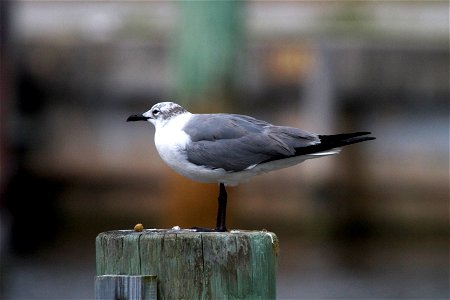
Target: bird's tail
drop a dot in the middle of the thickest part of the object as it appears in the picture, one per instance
(333, 142)
(344, 139)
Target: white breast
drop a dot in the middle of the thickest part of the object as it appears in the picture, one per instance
(171, 140)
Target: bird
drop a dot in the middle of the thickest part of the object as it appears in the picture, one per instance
(228, 149)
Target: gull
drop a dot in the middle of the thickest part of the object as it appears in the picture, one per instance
(229, 148)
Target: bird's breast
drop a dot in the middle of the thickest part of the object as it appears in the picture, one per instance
(171, 145)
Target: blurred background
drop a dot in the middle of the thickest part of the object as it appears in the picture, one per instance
(372, 222)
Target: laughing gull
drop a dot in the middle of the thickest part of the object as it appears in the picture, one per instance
(230, 148)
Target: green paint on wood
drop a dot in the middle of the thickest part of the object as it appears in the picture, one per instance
(193, 265)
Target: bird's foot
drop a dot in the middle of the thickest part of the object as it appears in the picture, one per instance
(220, 229)
(202, 229)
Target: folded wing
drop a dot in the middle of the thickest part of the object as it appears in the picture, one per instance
(235, 142)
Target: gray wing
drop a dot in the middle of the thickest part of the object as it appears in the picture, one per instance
(236, 142)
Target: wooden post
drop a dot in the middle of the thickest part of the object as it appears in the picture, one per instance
(112, 287)
(194, 265)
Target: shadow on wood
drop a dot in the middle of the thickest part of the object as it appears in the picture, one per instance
(194, 265)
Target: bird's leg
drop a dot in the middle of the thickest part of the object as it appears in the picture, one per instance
(222, 211)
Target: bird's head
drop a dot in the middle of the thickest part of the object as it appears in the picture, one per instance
(159, 114)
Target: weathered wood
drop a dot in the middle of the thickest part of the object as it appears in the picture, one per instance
(113, 287)
(193, 265)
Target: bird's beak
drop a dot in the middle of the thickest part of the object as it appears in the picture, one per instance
(134, 118)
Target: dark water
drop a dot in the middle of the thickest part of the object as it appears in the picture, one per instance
(385, 269)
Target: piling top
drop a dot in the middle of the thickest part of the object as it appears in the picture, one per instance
(177, 230)
(258, 234)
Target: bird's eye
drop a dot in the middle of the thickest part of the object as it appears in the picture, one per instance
(155, 112)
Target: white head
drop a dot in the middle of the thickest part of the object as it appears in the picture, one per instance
(159, 114)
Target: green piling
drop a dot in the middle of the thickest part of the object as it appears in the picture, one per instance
(194, 265)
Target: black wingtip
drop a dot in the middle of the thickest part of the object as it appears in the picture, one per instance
(345, 139)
